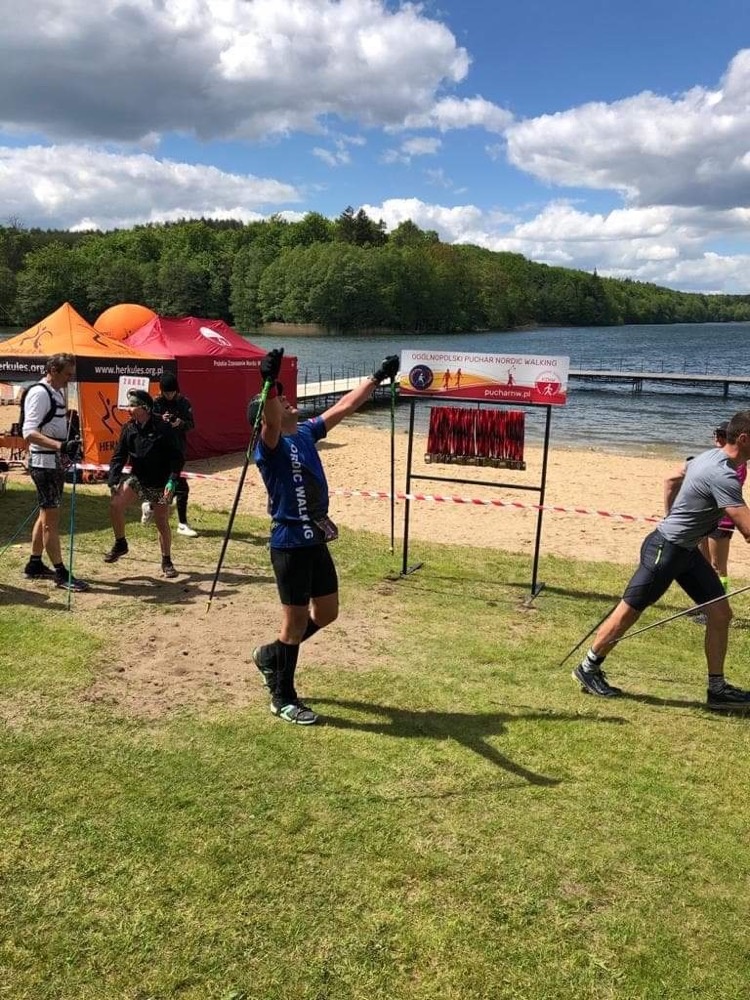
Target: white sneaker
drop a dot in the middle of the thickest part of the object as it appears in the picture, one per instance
(185, 529)
(147, 514)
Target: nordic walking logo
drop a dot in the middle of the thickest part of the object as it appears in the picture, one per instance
(421, 377)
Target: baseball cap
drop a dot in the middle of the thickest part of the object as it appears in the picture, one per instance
(169, 383)
(721, 429)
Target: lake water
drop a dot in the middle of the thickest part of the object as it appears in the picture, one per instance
(667, 421)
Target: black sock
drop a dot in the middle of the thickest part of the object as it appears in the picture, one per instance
(310, 630)
(268, 654)
(60, 569)
(35, 560)
(286, 664)
(716, 683)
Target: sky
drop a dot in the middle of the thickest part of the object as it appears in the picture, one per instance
(582, 133)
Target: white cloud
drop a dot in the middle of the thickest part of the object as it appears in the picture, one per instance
(418, 146)
(458, 113)
(692, 150)
(663, 245)
(75, 187)
(333, 158)
(340, 155)
(115, 71)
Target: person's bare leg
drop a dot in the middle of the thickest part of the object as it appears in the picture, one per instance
(161, 520)
(324, 610)
(718, 617)
(51, 534)
(118, 504)
(718, 550)
(614, 627)
(37, 537)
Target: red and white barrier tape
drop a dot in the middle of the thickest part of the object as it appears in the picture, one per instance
(475, 502)
(435, 498)
(187, 475)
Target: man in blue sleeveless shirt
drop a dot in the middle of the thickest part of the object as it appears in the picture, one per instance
(671, 554)
(297, 488)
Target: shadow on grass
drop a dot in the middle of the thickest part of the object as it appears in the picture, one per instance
(186, 588)
(738, 711)
(49, 599)
(146, 587)
(471, 731)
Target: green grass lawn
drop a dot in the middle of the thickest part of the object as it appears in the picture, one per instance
(465, 823)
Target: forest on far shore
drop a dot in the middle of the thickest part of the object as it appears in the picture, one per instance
(346, 274)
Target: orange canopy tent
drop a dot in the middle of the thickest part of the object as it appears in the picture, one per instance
(100, 364)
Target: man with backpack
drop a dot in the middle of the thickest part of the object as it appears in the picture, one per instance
(45, 429)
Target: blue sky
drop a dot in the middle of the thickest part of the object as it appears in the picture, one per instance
(581, 133)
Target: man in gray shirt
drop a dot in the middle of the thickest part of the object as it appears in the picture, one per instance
(671, 554)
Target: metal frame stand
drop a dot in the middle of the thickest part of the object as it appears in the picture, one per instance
(406, 570)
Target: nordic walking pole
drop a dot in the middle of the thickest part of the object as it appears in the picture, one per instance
(578, 645)
(393, 462)
(248, 458)
(681, 614)
(72, 529)
(19, 529)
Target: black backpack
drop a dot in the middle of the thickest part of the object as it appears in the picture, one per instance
(50, 412)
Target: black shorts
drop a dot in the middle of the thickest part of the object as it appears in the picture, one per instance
(49, 486)
(663, 563)
(149, 494)
(304, 573)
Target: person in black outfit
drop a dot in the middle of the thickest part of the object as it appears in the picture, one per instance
(175, 408)
(151, 448)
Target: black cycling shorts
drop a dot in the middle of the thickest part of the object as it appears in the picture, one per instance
(49, 486)
(663, 563)
(304, 573)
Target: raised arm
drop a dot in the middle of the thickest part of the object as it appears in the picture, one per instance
(270, 428)
(352, 401)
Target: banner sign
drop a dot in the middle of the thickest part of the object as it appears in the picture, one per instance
(489, 378)
(19, 368)
(125, 384)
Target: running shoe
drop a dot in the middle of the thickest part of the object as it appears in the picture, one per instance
(71, 583)
(729, 697)
(120, 548)
(294, 712)
(595, 682)
(38, 571)
(186, 530)
(167, 568)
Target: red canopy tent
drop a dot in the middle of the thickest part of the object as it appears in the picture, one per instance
(218, 370)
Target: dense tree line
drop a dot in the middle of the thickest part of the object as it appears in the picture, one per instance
(347, 274)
